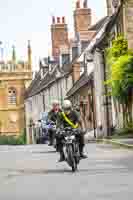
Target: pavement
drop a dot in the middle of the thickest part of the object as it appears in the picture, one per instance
(124, 142)
(89, 136)
(32, 172)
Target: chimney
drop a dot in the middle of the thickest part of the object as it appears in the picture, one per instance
(85, 4)
(63, 20)
(53, 20)
(59, 36)
(82, 18)
(58, 20)
(77, 4)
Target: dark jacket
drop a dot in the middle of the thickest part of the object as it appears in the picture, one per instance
(52, 115)
(73, 116)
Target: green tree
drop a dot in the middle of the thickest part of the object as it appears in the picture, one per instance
(120, 62)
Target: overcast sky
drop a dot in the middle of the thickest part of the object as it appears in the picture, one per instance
(22, 20)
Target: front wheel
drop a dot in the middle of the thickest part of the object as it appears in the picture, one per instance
(74, 167)
(71, 158)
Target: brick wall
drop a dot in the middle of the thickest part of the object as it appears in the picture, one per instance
(59, 35)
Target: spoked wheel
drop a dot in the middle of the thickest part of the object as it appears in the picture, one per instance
(54, 143)
(77, 157)
(74, 167)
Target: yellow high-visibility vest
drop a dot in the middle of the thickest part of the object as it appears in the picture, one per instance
(69, 121)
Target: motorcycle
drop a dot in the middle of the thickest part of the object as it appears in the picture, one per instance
(71, 147)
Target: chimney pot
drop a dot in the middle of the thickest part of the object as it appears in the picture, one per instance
(85, 4)
(53, 20)
(63, 20)
(78, 4)
(58, 19)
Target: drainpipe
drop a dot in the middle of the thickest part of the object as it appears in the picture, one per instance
(92, 94)
(106, 98)
(61, 96)
(43, 102)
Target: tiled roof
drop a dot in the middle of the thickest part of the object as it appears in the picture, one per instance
(104, 27)
(98, 25)
(39, 85)
(49, 78)
(34, 84)
(110, 23)
(84, 79)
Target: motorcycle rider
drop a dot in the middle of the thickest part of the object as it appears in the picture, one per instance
(52, 116)
(69, 118)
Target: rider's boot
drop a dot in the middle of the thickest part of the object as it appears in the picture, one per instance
(62, 157)
(82, 155)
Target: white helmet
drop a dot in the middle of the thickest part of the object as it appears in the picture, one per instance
(55, 102)
(67, 105)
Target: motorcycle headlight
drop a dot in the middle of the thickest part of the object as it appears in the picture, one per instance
(72, 137)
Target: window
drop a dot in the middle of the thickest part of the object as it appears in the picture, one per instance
(65, 59)
(84, 45)
(12, 96)
(74, 52)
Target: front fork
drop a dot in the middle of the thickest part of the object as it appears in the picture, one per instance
(75, 148)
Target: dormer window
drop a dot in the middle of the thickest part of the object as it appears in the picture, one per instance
(115, 4)
(42, 73)
(58, 74)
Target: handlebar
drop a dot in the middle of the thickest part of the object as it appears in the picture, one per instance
(69, 130)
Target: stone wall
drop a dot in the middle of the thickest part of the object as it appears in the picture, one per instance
(12, 115)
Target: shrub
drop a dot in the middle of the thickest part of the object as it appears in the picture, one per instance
(120, 63)
(12, 140)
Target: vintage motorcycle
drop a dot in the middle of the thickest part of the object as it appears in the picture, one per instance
(71, 147)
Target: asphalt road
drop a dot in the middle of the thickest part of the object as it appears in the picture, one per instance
(32, 173)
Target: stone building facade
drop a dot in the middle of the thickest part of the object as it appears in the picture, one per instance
(15, 77)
